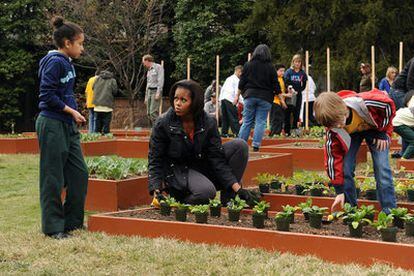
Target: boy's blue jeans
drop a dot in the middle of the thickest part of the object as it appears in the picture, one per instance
(254, 114)
(382, 172)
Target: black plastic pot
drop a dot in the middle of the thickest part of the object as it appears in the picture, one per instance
(316, 192)
(165, 209)
(371, 194)
(356, 233)
(215, 211)
(282, 224)
(180, 214)
(264, 188)
(299, 189)
(398, 222)
(292, 218)
(201, 217)
(409, 229)
(258, 220)
(370, 216)
(234, 215)
(276, 185)
(315, 220)
(389, 234)
(306, 216)
(410, 195)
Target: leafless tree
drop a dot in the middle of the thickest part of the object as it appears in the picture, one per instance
(118, 33)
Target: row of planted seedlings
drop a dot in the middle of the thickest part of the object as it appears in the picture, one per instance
(113, 167)
(353, 217)
(301, 183)
(214, 209)
(316, 184)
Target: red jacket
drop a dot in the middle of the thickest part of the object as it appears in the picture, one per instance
(375, 108)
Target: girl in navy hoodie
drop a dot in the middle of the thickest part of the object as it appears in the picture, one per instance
(295, 80)
(61, 160)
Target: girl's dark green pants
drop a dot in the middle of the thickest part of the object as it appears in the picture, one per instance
(61, 165)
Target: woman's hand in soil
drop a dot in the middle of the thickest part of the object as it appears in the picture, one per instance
(339, 200)
(250, 197)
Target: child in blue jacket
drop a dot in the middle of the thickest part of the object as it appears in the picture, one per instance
(61, 160)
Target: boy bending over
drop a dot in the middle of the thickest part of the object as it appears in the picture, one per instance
(350, 118)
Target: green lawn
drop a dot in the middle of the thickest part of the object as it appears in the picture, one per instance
(24, 250)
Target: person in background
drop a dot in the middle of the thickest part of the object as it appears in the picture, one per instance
(365, 84)
(89, 105)
(277, 115)
(258, 85)
(153, 91)
(105, 88)
(211, 105)
(61, 159)
(295, 80)
(386, 83)
(403, 83)
(228, 103)
(186, 158)
(311, 100)
(210, 90)
(403, 123)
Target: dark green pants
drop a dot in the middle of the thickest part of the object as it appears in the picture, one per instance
(61, 165)
(407, 133)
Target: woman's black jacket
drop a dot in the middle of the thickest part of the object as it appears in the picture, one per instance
(171, 154)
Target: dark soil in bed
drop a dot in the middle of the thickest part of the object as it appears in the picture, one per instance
(300, 226)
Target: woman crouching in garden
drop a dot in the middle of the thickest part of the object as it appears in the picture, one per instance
(186, 157)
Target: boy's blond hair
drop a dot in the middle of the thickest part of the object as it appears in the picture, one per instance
(329, 109)
(296, 57)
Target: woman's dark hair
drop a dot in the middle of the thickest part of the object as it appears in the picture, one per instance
(64, 30)
(196, 94)
(262, 53)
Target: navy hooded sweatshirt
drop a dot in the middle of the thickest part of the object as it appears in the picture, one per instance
(57, 79)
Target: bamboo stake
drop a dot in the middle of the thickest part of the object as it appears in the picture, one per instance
(328, 70)
(161, 101)
(307, 92)
(401, 56)
(188, 69)
(217, 87)
(249, 56)
(373, 66)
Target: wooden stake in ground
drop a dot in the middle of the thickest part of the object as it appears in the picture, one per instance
(401, 56)
(373, 66)
(328, 70)
(188, 68)
(217, 87)
(307, 92)
(249, 56)
(160, 111)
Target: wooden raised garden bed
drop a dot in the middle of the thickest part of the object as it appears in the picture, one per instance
(407, 164)
(279, 163)
(113, 195)
(121, 133)
(100, 147)
(137, 148)
(302, 240)
(308, 156)
(19, 145)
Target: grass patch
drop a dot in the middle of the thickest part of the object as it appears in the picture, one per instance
(23, 249)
